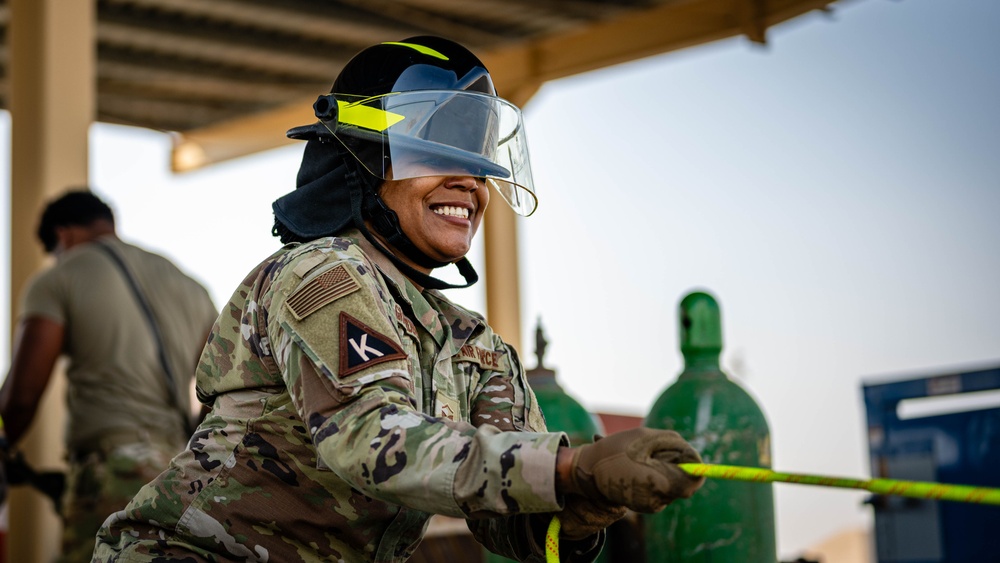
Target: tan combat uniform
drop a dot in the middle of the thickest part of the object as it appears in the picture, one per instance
(122, 429)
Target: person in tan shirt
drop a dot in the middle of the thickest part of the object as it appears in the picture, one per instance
(132, 326)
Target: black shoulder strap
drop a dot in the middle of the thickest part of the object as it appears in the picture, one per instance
(147, 312)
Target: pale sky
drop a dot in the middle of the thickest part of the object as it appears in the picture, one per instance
(838, 191)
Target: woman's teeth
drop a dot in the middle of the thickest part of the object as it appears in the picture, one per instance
(451, 211)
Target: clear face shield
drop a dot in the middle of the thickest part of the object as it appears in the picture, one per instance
(421, 133)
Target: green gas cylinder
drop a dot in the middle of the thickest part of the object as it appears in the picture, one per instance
(562, 413)
(725, 521)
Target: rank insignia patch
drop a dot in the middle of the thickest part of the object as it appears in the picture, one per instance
(324, 288)
(447, 407)
(361, 346)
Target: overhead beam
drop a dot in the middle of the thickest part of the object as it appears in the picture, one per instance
(637, 35)
(751, 13)
(239, 137)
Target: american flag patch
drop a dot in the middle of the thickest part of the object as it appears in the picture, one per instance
(324, 288)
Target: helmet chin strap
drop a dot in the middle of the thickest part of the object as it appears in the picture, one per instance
(386, 223)
(367, 204)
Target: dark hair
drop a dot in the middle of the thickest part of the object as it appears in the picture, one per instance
(78, 207)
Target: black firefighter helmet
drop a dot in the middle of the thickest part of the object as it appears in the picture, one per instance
(426, 106)
(423, 106)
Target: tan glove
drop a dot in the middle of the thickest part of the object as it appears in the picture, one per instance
(635, 468)
(582, 517)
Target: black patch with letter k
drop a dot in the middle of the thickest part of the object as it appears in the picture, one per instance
(362, 347)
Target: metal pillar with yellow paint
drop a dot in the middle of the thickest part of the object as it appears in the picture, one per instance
(52, 105)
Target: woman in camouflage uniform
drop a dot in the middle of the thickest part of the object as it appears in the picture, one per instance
(350, 399)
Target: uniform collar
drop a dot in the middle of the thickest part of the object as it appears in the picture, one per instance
(389, 270)
(463, 324)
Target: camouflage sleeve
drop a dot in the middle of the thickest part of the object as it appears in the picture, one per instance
(506, 400)
(503, 402)
(352, 384)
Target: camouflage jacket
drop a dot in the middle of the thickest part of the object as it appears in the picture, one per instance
(348, 406)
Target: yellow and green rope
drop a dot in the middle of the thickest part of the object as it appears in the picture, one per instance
(913, 489)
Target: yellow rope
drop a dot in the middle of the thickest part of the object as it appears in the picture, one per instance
(915, 489)
(552, 541)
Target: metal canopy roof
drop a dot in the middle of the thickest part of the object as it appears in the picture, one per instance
(230, 76)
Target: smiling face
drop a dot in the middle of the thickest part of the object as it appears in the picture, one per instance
(439, 214)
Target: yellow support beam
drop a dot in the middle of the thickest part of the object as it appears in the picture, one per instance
(52, 104)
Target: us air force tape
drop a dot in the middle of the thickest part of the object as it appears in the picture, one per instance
(488, 359)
